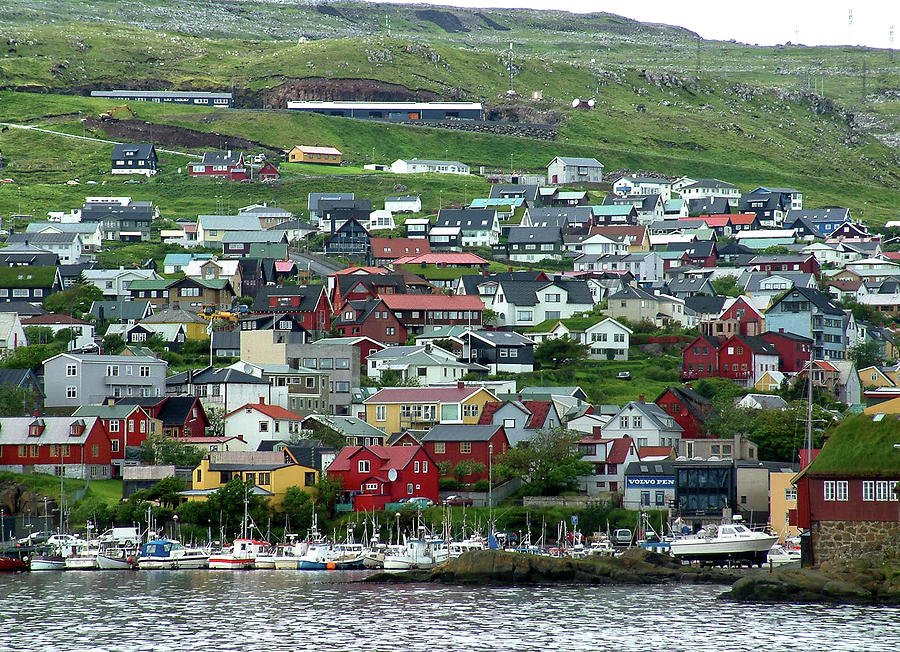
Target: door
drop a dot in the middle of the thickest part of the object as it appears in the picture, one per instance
(555, 179)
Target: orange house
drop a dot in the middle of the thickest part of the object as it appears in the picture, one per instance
(319, 155)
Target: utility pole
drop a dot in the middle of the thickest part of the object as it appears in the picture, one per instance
(698, 55)
(891, 43)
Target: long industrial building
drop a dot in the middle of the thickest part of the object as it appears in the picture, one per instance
(394, 110)
(200, 98)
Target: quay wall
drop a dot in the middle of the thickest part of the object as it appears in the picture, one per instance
(834, 540)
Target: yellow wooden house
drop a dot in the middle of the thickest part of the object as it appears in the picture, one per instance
(875, 377)
(318, 155)
(272, 473)
(782, 499)
(395, 409)
(770, 381)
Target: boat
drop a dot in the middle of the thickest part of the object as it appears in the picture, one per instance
(325, 556)
(12, 561)
(83, 555)
(417, 553)
(289, 554)
(241, 556)
(457, 548)
(119, 549)
(167, 554)
(722, 543)
(50, 562)
(119, 559)
(780, 555)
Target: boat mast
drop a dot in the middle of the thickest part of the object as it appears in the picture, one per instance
(244, 522)
(809, 408)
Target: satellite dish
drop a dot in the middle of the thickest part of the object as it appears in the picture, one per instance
(392, 475)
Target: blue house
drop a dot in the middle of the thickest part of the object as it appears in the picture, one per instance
(810, 313)
(823, 221)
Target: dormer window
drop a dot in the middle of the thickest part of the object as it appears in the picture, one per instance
(76, 428)
(36, 428)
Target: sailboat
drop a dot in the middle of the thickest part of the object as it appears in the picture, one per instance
(243, 551)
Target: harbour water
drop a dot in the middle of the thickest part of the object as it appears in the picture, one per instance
(278, 610)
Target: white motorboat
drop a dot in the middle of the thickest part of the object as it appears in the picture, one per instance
(47, 563)
(166, 554)
(457, 548)
(241, 556)
(726, 542)
(780, 555)
(417, 553)
(84, 556)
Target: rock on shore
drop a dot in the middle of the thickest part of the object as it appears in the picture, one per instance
(508, 568)
(867, 580)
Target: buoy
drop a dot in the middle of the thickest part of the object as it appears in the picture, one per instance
(331, 565)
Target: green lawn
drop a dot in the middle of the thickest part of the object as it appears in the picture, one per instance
(108, 491)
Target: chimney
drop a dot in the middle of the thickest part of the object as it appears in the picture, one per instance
(641, 398)
(262, 400)
(460, 385)
(597, 432)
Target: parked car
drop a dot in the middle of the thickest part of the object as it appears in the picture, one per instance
(623, 375)
(62, 540)
(36, 537)
(420, 502)
(458, 501)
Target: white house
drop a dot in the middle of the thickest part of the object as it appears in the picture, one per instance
(527, 303)
(417, 165)
(403, 204)
(608, 458)
(638, 185)
(480, 226)
(255, 422)
(707, 188)
(91, 233)
(426, 363)
(67, 245)
(601, 244)
(647, 424)
(114, 283)
(380, 220)
(564, 170)
(607, 339)
(646, 267)
(12, 334)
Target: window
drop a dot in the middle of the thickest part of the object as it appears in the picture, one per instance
(112, 370)
(264, 426)
(623, 422)
(342, 386)
(264, 478)
(33, 450)
(71, 370)
(842, 490)
(440, 447)
(342, 363)
(465, 447)
(509, 423)
(381, 413)
(95, 450)
(189, 292)
(868, 490)
(470, 410)
(636, 422)
(371, 486)
(390, 331)
(645, 498)
(311, 363)
(114, 425)
(416, 466)
(552, 298)
(20, 292)
(790, 493)
(145, 372)
(524, 315)
(363, 466)
(409, 489)
(114, 445)
(71, 391)
(660, 498)
(884, 490)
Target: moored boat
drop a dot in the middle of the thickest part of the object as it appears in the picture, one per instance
(11, 562)
(726, 542)
(47, 563)
(241, 556)
(166, 554)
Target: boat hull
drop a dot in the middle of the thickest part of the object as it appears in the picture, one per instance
(187, 563)
(81, 563)
(289, 563)
(12, 564)
(115, 563)
(231, 563)
(47, 564)
(753, 550)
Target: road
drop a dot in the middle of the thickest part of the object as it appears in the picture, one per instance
(89, 138)
(316, 265)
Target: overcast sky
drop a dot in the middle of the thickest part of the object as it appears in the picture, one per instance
(766, 22)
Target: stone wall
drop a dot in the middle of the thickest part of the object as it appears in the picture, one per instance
(848, 539)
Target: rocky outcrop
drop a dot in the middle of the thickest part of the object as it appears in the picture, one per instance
(172, 136)
(18, 499)
(873, 578)
(322, 89)
(497, 567)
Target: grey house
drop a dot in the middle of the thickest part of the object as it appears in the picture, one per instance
(122, 218)
(336, 357)
(73, 380)
(136, 158)
(565, 170)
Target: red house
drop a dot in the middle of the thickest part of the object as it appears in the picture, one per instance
(746, 358)
(373, 476)
(79, 447)
(689, 409)
(805, 263)
(847, 498)
(458, 443)
(415, 311)
(387, 250)
(793, 350)
(738, 317)
(700, 358)
(181, 416)
(370, 318)
(126, 424)
(268, 173)
(227, 165)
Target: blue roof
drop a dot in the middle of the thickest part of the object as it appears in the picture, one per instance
(486, 202)
(184, 259)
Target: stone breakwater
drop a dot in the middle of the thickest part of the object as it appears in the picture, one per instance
(486, 567)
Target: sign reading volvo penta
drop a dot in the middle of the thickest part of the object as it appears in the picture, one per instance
(650, 482)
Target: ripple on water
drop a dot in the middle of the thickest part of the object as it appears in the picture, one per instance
(275, 610)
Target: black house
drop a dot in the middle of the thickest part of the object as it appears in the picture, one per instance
(350, 239)
(499, 350)
(136, 158)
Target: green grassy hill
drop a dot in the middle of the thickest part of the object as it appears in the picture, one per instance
(746, 118)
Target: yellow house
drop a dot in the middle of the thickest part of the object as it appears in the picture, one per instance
(875, 377)
(194, 326)
(782, 499)
(883, 400)
(770, 381)
(320, 155)
(395, 409)
(272, 473)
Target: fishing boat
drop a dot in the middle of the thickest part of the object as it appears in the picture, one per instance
(84, 555)
(49, 562)
(726, 542)
(13, 561)
(456, 548)
(289, 554)
(417, 553)
(117, 559)
(241, 556)
(167, 554)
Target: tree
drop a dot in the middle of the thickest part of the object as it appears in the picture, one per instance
(559, 352)
(779, 434)
(327, 489)
(17, 401)
(227, 504)
(113, 343)
(166, 491)
(549, 463)
(297, 506)
(31, 356)
(865, 354)
(726, 285)
(162, 450)
(489, 316)
(465, 468)
(216, 418)
(75, 300)
(776, 249)
(38, 334)
(392, 378)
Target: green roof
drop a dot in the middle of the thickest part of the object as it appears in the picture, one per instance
(212, 283)
(27, 277)
(276, 250)
(151, 284)
(118, 411)
(572, 323)
(861, 446)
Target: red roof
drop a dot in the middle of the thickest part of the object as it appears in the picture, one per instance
(440, 258)
(399, 247)
(487, 413)
(204, 440)
(51, 319)
(432, 302)
(713, 221)
(394, 457)
(272, 411)
(742, 218)
(618, 452)
(539, 411)
(892, 255)
(284, 265)
(421, 395)
(636, 232)
(655, 451)
(361, 270)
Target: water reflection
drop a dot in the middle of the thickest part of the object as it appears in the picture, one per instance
(279, 610)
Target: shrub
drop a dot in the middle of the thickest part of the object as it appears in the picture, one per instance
(448, 484)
